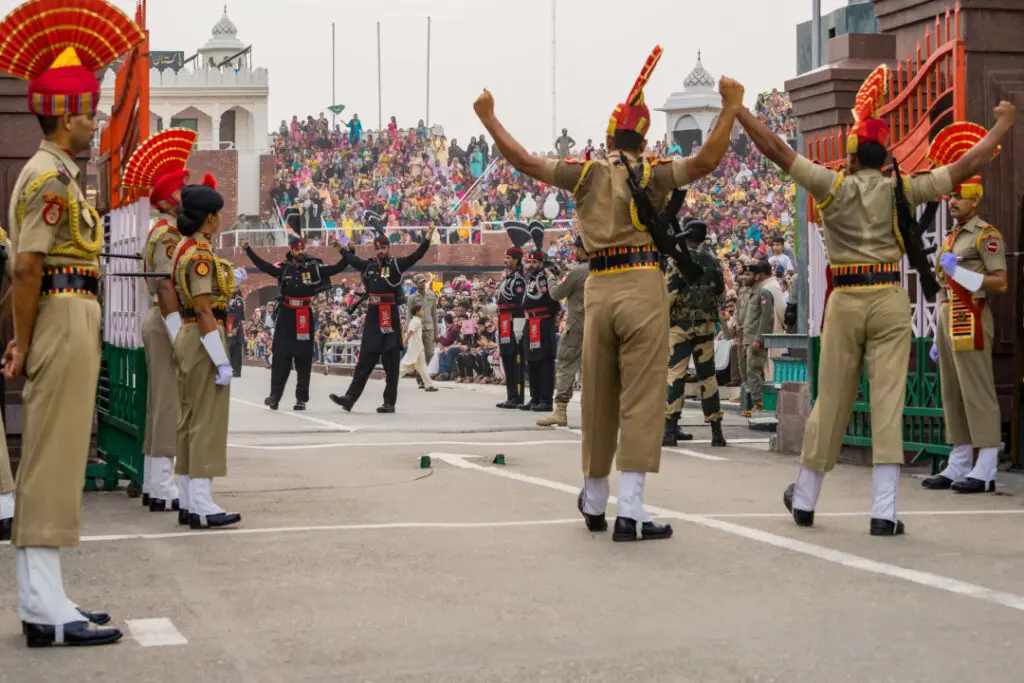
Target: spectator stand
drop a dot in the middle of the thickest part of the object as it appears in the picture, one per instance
(121, 391)
(926, 92)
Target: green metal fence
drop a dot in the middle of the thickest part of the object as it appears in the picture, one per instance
(121, 414)
(923, 422)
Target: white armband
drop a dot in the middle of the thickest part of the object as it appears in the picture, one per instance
(173, 323)
(215, 349)
(971, 280)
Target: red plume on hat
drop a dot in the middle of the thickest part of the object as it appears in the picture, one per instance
(633, 115)
(210, 181)
(158, 164)
(867, 126)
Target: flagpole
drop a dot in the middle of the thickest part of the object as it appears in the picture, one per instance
(334, 63)
(380, 100)
(428, 74)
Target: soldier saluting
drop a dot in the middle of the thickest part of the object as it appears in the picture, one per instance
(300, 277)
(510, 310)
(868, 311)
(57, 237)
(625, 340)
(971, 266)
(540, 311)
(382, 331)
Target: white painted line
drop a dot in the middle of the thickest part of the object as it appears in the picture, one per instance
(378, 444)
(695, 454)
(155, 632)
(337, 527)
(571, 430)
(820, 552)
(299, 415)
(903, 513)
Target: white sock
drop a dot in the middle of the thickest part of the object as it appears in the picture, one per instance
(886, 480)
(163, 484)
(6, 505)
(631, 497)
(183, 492)
(987, 465)
(807, 490)
(959, 462)
(41, 597)
(147, 476)
(595, 495)
(200, 494)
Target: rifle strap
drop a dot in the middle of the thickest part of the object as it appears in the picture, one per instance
(896, 217)
(645, 178)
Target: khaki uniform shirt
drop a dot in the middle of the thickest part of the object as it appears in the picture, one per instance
(571, 289)
(858, 210)
(41, 221)
(742, 302)
(198, 272)
(603, 197)
(760, 318)
(428, 301)
(978, 247)
(160, 247)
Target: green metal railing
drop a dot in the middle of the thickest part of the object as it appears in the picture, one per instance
(121, 415)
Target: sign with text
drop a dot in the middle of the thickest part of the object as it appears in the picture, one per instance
(166, 60)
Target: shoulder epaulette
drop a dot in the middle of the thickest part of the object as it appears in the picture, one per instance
(574, 161)
(658, 162)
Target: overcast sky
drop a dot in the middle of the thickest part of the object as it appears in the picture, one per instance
(502, 45)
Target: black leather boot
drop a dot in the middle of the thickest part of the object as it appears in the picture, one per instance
(76, 634)
(669, 437)
(271, 402)
(801, 517)
(344, 401)
(5, 528)
(971, 485)
(717, 437)
(594, 522)
(626, 529)
(938, 482)
(883, 527)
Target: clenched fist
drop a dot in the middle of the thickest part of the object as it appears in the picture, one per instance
(1006, 112)
(484, 105)
(244, 244)
(731, 92)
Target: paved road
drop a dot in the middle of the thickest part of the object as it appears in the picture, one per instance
(354, 564)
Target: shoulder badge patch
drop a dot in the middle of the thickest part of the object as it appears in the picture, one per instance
(202, 268)
(52, 213)
(992, 245)
(54, 198)
(658, 162)
(170, 250)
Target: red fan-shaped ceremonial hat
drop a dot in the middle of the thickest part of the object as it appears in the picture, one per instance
(633, 114)
(158, 164)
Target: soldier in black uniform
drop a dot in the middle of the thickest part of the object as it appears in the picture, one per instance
(510, 309)
(300, 278)
(235, 332)
(382, 331)
(539, 340)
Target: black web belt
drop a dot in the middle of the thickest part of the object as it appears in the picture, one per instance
(188, 315)
(626, 258)
(58, 283)
(845, 280)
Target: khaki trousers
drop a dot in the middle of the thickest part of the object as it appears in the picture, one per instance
(202, 451)
(163, 408)
(6, 478)
(567, 364)
(871, 324)
(59, 400)
(625, 344)
(969, 402)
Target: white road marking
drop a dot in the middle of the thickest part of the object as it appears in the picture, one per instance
(820, 552)
(155, 632)
(337, 527)
(903, 513)
(377, 444)
(695, 454)
(299, 415)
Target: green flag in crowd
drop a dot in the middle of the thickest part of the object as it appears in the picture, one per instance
(337, 108)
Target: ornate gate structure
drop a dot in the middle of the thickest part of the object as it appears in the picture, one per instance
(926, 92)
(121, 394)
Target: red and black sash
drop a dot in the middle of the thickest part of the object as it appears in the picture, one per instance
(303, 315)
(505, 328)
(385, 304)
(534, 316)
(965, 330)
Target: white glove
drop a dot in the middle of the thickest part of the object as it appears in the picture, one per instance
(934, 353)
(173, 323)
(224, 373)
(240, 275)
(215, 349)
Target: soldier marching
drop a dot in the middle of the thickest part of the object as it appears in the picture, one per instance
(539, 341)
(867, 314)
(971, 267)
(510, 317)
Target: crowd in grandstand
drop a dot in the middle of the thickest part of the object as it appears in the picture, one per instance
(417, 178)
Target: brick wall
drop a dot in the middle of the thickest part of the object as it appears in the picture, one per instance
(267, 172)
(223, 164)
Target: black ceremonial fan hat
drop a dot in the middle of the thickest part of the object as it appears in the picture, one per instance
(537, 233)
(519, 233)
(375, 222)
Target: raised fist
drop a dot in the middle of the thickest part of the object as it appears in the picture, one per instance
(484, 105)
(244, 244)
(731, 92)
(1006, 112)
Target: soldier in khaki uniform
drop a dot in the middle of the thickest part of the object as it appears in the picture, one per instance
(6, 477)
(158, 167)
(868, 312)
(626, 331)
(427, 299)
(204, 284)
(57, 237)
(570, 344)
(971, 266)
(759, 321)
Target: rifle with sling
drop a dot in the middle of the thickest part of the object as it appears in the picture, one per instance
(912, 231)
(664, 227)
